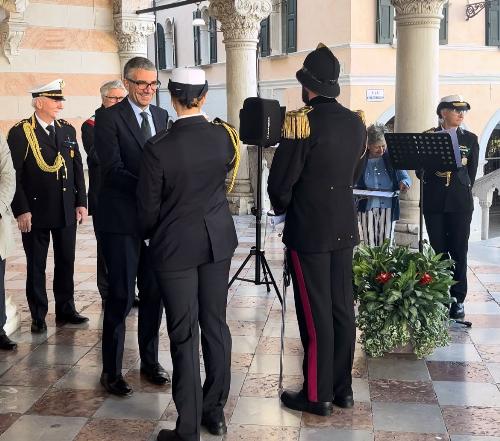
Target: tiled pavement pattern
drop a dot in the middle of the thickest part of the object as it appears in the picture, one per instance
(49, 388)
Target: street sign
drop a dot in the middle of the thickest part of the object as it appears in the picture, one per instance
(374, 94)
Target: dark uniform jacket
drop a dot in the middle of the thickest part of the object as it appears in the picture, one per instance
(182, 195)
(457, 196)
(312, 179)
(119, 145)
(50, 197)
(92, 162)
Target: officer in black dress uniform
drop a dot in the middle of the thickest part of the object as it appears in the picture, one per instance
(448, 202)
(185, 213)
(319, 158)
(50, 199)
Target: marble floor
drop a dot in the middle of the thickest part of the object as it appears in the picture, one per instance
(49, 388)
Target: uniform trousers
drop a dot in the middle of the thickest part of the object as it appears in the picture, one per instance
(449, 234)
(192, 297)
(322, 285)
(36, 247)
(128, 258)
(3, 316)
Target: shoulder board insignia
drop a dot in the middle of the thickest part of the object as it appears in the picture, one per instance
(159, 136)
(431, 130)
(220, 122)
(296, 125)
(63, 122)
(26, 120)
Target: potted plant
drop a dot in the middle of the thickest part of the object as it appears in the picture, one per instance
(403, 298)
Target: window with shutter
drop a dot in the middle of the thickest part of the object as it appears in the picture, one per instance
(197, 41)
(160, 46)
(169, 44)
(493, 23)
(290, 26)
(213, 39)
(174, 39)
(385, 22)
(443, 29)
(264, 38)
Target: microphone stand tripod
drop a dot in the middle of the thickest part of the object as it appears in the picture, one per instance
(257, 251)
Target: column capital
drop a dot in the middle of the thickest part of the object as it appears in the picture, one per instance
(14, 5)
(12, 29)
(240, 19)
(132, 32)
(426, 13)
(418, 7)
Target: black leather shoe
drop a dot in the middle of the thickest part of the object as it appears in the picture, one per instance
(155, 373)
(6, 343)
(136, 302)
(215, 426)
(168, 435)
(116, 386)
(345, 402)
(457, 310)
(38, 326)
(298, 401)
(73, 318)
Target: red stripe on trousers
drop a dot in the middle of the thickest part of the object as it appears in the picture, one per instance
(312, 349)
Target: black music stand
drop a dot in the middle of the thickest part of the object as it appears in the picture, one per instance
(423, 152)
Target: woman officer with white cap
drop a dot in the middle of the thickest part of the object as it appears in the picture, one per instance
(184, 211)
(448, 202)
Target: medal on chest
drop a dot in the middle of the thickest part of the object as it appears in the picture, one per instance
(464, 153)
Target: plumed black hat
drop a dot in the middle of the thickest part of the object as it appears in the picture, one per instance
(320, 72)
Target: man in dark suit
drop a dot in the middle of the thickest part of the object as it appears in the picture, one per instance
(120, 134)
(112, 93)
(50, 199)
(312, 175)
(447, 199)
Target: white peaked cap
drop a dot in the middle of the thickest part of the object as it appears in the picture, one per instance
(186, 75)
(53, 85)
(452, 99)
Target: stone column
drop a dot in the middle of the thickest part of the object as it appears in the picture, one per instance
(417, 89)
(132, 30)
(485, 215)
(240, 24)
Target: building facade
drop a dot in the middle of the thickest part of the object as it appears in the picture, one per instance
(42, 40)
(363, 35)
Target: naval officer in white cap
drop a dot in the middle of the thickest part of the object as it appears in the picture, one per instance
(50, 200)
(447, 198)
(184, 211)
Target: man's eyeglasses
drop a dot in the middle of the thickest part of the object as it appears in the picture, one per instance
(114, 98)
(143, 85)
(459, 112)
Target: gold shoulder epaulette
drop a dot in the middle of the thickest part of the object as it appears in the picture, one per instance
(361, 114)
(296, 125)
(432, 129)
